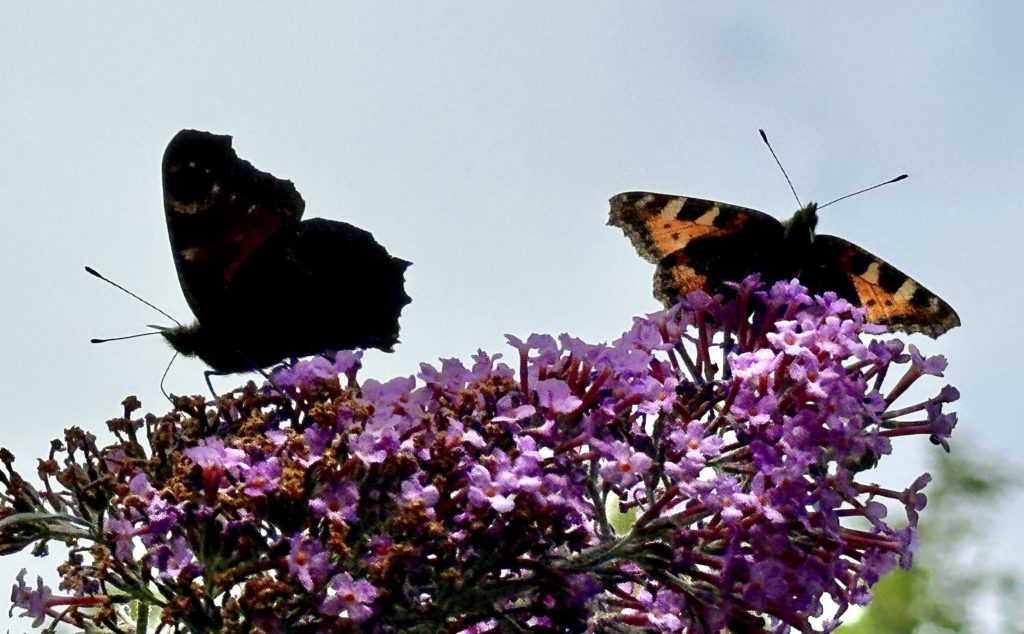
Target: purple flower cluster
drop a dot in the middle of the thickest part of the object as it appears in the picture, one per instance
(698, 474)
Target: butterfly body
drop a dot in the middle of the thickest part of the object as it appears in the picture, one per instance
(264, 284)
(701, 244)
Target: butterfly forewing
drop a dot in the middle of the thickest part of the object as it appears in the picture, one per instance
(696, 243)
(891, 297)
(220, 210)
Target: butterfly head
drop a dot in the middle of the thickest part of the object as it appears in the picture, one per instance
(193, 340)
(799, 230)
(188, 340)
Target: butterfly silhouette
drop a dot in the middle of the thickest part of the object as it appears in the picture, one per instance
(264, 284)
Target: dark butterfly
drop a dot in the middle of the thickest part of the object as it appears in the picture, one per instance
(702, 244)
(263, 284)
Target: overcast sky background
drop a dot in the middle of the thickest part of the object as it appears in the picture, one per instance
(482, 141)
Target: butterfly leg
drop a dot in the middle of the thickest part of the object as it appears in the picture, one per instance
(163, 378)
(206, 375)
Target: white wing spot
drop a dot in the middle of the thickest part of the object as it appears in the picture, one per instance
(708, 219)
(906, 290)
(672, 208)
(872, 274)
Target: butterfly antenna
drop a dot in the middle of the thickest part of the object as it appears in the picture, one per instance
(764, 137)
(94, 272)
(888, 182)
(141, 334)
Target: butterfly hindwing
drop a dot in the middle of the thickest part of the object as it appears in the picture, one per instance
(340, 289)
(220, 210)
(891, 297)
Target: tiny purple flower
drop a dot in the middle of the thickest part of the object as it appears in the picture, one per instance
(413, 491)
(337, 501)
(623, 465)
(124, 533)
(308, 561)
(752, 365)
(172, 559)
(262, 478)
(554, 395)
(487, 491)
(934, 365)
(349, 597)
(34, 602)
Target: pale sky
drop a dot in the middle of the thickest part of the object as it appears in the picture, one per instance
(482, 141)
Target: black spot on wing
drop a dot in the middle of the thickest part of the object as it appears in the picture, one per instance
(890, 278)
(922, 298)
(827, 248)
(730, 216)
(694, 208)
